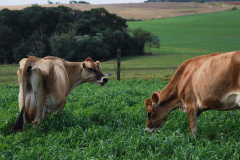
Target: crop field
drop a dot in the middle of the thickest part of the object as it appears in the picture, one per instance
(108, 123)
(195, 34)
(144, 11)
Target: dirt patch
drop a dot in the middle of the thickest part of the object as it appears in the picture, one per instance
(232, 2)
(145, 11)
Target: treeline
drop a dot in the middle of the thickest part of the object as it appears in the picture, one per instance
(83, 2)
(63, 32)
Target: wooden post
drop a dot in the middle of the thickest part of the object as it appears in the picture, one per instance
(118, 63)
(115, 70)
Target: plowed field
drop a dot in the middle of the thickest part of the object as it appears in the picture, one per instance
(151, 10)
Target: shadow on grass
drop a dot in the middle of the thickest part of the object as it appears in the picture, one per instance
(51, 123)
(58, 123)
(6, 128)
(217, 130)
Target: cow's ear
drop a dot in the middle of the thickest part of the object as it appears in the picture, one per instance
(155, 97)
(98, 64)
(83, 65)
(159, 91)
(148, 102)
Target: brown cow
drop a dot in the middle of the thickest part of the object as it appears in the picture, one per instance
(45, 84)
(209, 82)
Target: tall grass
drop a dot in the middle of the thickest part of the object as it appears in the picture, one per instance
(108, 123)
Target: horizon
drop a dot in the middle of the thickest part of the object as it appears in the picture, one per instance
(40, 2)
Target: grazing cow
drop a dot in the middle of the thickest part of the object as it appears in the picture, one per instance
(45, 84)
(209, 82)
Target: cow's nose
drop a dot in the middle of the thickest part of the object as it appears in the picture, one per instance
(105, 79)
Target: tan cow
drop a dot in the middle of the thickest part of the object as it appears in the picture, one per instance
(209, 82)
(45, 84)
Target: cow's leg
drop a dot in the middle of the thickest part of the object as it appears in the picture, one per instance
(192, 115)
(38, 90)
(60, 107)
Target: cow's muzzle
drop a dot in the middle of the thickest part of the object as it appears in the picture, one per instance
(103, 81)
(150, 130)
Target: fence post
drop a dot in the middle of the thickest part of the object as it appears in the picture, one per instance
(118, 63)
(115, 70)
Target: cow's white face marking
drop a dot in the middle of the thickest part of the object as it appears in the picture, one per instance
(92, 74)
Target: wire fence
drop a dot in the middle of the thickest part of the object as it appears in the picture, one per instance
(8, 73)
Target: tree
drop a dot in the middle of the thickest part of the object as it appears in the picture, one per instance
(62, 46)
(22, 50)
(141, 37)
(64, 22)
(82, 27)
(7, 42)
(66, 33)
(49, 2)
(152, 41)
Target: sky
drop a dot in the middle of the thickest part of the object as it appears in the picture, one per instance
(25, 2)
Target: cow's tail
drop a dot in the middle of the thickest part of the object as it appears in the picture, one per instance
(21, 120)
(19, 124)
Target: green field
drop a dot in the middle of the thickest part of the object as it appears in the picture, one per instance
(183, 38)
(195, 34)
(8, 73)
(108, 123)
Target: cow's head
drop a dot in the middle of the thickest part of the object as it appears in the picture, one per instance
(156, 114)
(91, 72)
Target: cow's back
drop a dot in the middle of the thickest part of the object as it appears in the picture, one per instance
(215, 79)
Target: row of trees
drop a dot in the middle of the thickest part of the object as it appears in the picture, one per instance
(82, 2)
(70, 34)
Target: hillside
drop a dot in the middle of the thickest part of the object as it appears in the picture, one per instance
(144, 11)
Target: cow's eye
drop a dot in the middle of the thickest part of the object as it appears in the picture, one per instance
(91, 69)
(149, 114)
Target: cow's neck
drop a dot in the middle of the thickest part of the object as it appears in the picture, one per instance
(169, 98)
(74, 70)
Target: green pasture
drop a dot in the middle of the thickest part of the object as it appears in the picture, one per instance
(8, 73)
(182, 38)
(195, 34)
(108, 123)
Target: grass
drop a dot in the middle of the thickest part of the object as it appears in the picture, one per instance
(8, 73)
(108, 123)
(195, 34)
